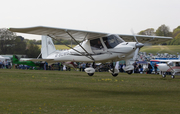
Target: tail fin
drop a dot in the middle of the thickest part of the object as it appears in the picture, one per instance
(47, 46)
(15, 59)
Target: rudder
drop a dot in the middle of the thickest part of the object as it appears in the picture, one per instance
(47, 46)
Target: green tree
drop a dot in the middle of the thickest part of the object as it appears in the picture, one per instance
(19, 46)
(32, 50)
(6, 40)
(175, 32)
(176, 37)
(163, 30)
(149, 31)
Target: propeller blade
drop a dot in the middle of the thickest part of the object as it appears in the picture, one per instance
(147, 44)
(135, 54)
(134, 36)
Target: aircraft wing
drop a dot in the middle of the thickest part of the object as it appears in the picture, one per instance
(145, 38)
(61, 33)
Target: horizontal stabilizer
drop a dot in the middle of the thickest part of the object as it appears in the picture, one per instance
(35, 60)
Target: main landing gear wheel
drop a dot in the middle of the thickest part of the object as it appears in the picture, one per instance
(90, 74)
(163, 75)
(129, 71)
(114, 74)
(172, 76)
(90, 71)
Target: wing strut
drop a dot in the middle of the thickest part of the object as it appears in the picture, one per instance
(168, 64)
(70, 47)
(79, 44)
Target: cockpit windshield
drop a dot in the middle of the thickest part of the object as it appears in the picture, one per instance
(112, 41)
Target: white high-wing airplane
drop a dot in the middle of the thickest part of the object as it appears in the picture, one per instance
(172, 66)
(95, 46)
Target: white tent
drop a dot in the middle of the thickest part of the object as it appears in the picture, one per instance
(4, 58)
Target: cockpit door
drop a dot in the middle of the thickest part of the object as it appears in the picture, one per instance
(98, 46)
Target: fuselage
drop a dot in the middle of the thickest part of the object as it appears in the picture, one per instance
(165, 68)
(120, 52)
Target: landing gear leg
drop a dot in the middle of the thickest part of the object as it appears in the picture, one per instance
(163, 75)
(129, 67)
(173, 75)
(114, 71)
(90, 71)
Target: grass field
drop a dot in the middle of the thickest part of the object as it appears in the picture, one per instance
(171, 49)
(61, 92)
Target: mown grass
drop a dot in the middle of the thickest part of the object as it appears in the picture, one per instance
(59, 92)
(59, 47)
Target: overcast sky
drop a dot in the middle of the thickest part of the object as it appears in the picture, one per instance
(110, 16)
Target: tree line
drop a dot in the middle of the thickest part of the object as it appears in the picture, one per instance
(163, 30)
(12, 44)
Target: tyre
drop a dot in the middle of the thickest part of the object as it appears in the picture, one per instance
(114, 74)
(163, 75)
(172, 76)
(129, 71)
(90, 74)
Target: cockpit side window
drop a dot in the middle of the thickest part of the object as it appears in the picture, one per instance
(177, 63)
(112, 41)
(96, 44)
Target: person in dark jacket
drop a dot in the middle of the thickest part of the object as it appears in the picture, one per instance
(149, 69)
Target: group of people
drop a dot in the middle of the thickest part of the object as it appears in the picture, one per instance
(5, 64)
(138, 68)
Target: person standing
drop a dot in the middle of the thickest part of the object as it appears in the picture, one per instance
(155, 68)
(0, 64)
(140, 68)
(83, 66)
(6, 64)
(149, 68)
(45, 66)
(80, 66)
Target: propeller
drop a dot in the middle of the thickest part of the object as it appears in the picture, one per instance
(135, 54)
(147, 44)
(134, 36)
(138, 46)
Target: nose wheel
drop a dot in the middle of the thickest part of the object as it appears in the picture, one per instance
(114, 74)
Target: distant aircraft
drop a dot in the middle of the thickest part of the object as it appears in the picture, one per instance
(172, 66)
(15, 60)
(95, 46)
